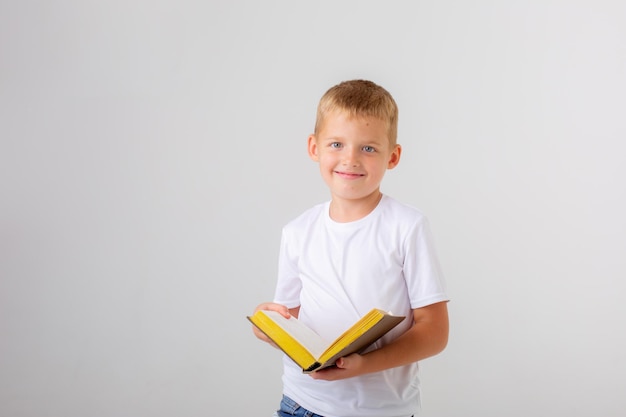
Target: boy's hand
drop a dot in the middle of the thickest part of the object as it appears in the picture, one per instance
(272, 307)
(346, 367)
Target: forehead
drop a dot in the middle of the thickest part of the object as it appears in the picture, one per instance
(339, 119)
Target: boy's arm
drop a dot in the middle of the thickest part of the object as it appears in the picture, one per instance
(426, 337)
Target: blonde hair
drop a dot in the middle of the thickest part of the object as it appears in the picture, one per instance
(360, 98)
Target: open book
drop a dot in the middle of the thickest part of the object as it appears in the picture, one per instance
(309, 350)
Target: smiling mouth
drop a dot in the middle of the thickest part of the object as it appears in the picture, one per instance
(348, 175)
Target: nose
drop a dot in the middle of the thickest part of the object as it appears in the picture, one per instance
(350, 157)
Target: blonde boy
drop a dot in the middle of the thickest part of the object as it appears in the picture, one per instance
(360, 250)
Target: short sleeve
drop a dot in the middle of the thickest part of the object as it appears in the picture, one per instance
(288, 285)
(422, 271)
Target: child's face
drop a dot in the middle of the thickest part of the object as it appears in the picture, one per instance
(354, 154)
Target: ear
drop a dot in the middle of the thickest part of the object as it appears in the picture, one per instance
(312, 148)
(394, 158)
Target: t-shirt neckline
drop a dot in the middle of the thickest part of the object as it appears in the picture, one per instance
(353, 223)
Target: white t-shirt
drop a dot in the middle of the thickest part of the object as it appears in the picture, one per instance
(337, 272)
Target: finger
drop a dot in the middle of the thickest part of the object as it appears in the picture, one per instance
(341, 363)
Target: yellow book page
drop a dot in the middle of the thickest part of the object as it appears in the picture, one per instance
(285, 333)
(358, 329)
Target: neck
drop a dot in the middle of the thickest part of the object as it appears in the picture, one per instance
(345, 210)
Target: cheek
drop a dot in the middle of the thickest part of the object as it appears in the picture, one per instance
(377, 167)
(327, 160)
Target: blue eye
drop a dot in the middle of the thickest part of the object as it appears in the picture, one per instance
(369, 149)
(335, 145)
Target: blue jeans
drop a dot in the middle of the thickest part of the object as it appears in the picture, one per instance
(290, 408)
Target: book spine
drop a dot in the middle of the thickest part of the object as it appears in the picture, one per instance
(312, 367)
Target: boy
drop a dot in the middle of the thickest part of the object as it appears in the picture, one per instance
(360, 250)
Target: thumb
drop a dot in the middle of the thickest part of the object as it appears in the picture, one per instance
(341, 363)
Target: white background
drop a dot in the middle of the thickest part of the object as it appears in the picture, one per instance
(151, 151)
